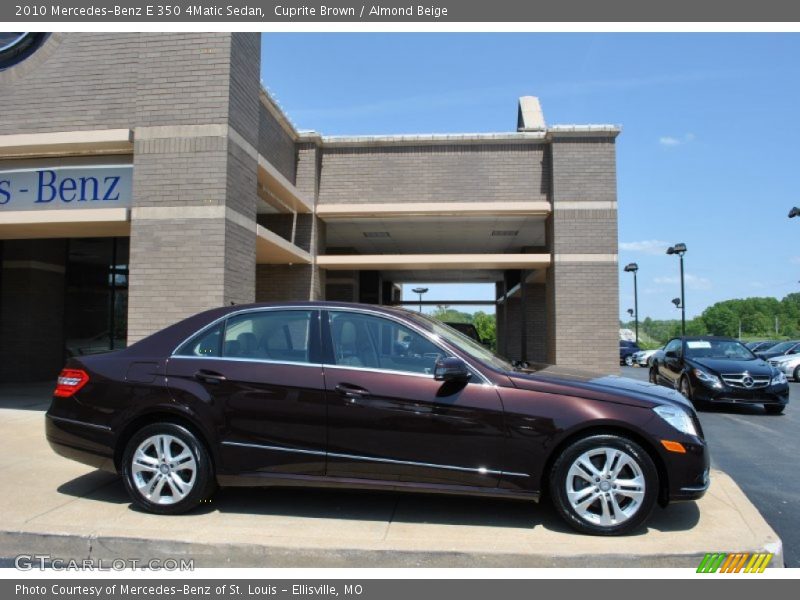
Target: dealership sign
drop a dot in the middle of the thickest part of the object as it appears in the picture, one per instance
(45, 188)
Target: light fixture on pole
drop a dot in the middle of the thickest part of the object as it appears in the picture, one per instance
(420, 291)
(680, 250)
(634, 268)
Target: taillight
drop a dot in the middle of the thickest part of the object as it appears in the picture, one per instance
(70, 381)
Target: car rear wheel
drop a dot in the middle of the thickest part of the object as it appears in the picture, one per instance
(166, 469)
(604, 485)
(796, 375)
(774, 409)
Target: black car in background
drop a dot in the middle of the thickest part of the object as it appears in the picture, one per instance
(626, 351)
(711, 369)
(761, 346)
(780, 349)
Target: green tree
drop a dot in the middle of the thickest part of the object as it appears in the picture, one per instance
(486, 325)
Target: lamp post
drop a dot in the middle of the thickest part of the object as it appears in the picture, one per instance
(420, 291)
(634, 268)
(680, 250)
(795, 212)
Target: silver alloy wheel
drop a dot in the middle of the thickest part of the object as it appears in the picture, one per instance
(163, 469)
(605, 486)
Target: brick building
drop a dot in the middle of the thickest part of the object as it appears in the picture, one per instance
(145, 177)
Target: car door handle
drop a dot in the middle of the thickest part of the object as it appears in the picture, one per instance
(351, 392)
(209, 376)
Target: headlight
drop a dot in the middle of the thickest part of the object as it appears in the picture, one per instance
(676, 417)
(778, 378)
(707, 378)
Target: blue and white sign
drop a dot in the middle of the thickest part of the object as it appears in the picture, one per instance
(73, 187)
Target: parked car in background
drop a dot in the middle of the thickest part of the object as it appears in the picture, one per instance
(626, 351)
(710, 369)
(780, 349)
(760, 346)
(642, 357)
(321, 394)
(788, 365)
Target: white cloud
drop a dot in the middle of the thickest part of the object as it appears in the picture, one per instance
(646, 246)
(693, 282)
(668, 140)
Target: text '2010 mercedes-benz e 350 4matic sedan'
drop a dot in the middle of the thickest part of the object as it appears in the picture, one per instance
(355, 396)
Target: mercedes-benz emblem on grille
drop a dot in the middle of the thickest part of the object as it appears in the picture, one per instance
(747, 381)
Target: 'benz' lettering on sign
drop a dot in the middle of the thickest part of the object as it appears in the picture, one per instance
(65, 187)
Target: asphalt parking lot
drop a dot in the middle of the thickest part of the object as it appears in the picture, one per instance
(760, 452)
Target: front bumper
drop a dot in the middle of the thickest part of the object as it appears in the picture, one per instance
(774, 395)
(688, 474)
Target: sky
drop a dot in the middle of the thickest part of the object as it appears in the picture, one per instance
(709, 153)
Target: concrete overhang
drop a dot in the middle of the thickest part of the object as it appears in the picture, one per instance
(403, 262)
(63, 143)
(279, 192)
(272, 249)
(86, 222)
(427, 209)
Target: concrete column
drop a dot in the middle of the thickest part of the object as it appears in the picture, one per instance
(583, 281)
(194, 183)
(32, 290)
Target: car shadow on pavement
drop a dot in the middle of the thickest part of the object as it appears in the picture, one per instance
(391, 506)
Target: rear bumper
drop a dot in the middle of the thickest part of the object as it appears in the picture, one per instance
(82, 442)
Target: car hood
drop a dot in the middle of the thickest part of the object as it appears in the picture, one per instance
(721, 365)
(608, 388)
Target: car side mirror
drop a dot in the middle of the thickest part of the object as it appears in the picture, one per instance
(451, 368)
(671, 354)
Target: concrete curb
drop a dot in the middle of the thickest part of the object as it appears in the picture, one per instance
(262, 556)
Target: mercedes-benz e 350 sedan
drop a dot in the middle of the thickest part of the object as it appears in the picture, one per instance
(355, 396)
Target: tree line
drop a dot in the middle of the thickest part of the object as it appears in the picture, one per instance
(748, 318)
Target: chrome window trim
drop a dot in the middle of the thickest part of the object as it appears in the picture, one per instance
(216, 321)
(318, 309)
(245, 359)
(480, 470)
(378, 370)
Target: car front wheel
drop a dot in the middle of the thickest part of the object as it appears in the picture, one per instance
(166, 469)
(604, 485)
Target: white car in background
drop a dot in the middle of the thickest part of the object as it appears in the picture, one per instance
(642, 358)
(789, 365)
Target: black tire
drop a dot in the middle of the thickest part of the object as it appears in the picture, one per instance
(559, 477)
(203, 482)
(629, 361)
(796, 375)
(654, 374)
(774, 409)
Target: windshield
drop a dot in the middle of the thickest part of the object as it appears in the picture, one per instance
(466, 344)
(725, 349)
(780, 348)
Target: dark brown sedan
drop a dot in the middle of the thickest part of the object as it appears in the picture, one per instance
(355, 396)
